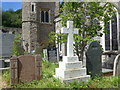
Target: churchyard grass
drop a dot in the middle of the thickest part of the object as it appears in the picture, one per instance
(48, 81)
(6, 76)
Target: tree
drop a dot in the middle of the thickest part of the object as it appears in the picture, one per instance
(87, 17)
(12, 18)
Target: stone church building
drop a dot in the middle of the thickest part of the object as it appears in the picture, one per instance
(37, 23)
(38, 20)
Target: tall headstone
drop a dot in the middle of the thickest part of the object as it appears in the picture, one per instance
(6, 44)
(70, 68)
(116, 69)
(25, 68)
(93, 59)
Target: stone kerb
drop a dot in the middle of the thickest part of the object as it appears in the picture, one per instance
(25, 68)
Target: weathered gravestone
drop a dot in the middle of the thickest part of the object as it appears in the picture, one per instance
(116, 69)
(45, 57)
(6, 44)
(93, 59)
(25, 68)
(2, 65)
(50, 54)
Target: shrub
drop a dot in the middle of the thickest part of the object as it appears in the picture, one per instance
(17, 47)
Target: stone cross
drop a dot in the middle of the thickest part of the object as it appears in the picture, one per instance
(70, 31)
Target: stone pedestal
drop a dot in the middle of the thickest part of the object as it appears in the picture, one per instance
(71, 69)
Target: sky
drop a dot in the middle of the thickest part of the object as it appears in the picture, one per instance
(11, 5)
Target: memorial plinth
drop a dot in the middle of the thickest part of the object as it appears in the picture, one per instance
(70, 68)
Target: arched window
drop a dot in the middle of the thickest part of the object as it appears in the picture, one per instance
(42, 16)
(33, 7)
(111, 39)
(114, 33)
(47, 16)
(107, 36)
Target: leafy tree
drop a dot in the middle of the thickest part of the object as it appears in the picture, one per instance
(12, 18)
(87, 17)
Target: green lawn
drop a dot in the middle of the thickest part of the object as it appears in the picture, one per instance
(48, 81)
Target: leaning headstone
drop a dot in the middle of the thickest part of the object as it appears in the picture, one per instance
(116, 69)
(93, 59)
(70, 68)
(25, 68)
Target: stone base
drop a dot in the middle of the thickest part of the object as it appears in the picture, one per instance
(70, 70)
(80, 78)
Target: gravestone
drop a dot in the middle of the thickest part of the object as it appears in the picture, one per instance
(70, 68)
(116, 69)
(93, 59)
(45, 57)
(25, 68)
(6, 44)
(52, 54)
(2, 63)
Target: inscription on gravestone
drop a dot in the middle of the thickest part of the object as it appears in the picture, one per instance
(93, 59)
(52, 54)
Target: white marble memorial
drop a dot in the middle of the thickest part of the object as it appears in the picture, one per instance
(70, 68)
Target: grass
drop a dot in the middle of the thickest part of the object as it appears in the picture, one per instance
(48, 81)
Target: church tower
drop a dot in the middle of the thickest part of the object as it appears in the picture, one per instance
(37, 22)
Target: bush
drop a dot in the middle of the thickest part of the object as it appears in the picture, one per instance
(17, 47)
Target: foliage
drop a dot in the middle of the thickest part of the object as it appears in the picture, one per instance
(48, 81)
(12, 18)
(6, 76)
(17, 48)
(58, 37)
(104, 82)
(87, 17)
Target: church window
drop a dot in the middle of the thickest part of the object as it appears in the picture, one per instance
(111, 39)
(114, 34)
(32, 7)
(42, 16)
(107, 36)
(45, 16)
